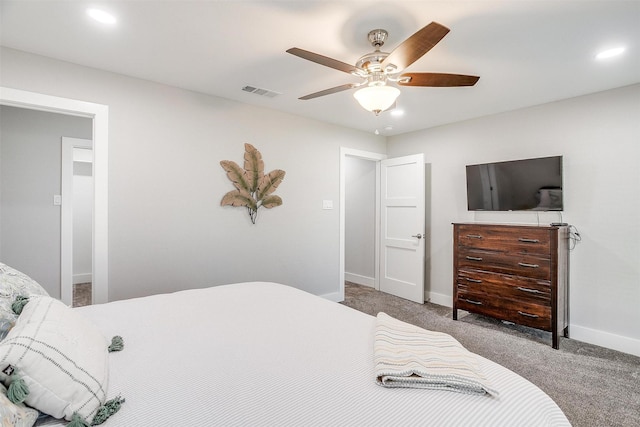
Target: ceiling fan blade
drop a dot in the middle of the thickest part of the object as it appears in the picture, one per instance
(410, 50)
(437, 79)
(323, 60)
(330, 91)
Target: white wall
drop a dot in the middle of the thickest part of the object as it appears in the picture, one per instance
(360, 209)
(598, 136)
(167, 230)
(30, 146)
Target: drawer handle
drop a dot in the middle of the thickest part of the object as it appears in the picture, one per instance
(471, 301)
(474, 236)
(468, 279)
(531, 291)
(525, 240)
(527, 314)
(524, 264)
(474, 258)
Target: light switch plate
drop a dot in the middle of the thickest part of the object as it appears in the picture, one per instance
(327, 204)
(57, 200)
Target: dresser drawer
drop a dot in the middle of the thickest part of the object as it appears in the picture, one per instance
(526, 240)
(505, 286)
(532, 266)
(527, 314)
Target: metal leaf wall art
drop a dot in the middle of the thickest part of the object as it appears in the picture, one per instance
(254, 189)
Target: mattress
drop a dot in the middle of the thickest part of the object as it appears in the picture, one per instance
(265, 354)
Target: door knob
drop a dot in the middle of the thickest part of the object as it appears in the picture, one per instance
(419, 236)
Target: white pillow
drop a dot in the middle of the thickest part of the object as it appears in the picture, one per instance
(60, 355)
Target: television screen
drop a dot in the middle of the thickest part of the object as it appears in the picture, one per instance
(531, 184)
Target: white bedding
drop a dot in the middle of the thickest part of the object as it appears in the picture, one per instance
(263, 354)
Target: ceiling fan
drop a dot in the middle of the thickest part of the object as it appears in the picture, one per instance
(378, 68)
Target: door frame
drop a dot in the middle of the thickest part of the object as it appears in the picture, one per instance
(100, 115)
(374, 157)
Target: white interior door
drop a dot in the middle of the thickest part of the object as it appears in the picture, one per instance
(402, 243)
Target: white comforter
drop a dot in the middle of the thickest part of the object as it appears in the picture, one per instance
(263, 354)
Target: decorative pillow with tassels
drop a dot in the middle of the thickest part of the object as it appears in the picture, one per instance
(55, 360)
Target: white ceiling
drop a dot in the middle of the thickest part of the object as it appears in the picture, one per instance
(526, 52)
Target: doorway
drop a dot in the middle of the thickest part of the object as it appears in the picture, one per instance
(76, 218)
(99, 115)
(361, 216)
(399, 227)
(366, 157)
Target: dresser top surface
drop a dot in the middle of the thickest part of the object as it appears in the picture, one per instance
(495, 224)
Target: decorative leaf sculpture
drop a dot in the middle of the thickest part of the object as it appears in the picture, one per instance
(253, 188)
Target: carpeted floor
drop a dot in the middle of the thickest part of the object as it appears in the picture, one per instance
(81, 294)
(594, 386)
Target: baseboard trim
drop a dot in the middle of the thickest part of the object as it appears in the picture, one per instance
(440, 299)
(333, 296)
(359, 279)
(605, 339)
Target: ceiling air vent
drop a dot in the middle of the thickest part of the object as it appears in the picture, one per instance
(262, 92)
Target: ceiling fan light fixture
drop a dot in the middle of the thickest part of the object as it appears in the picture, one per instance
(376, 98)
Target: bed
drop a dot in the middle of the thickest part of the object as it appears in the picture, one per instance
(265, 354)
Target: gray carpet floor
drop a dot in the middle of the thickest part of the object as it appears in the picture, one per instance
(81, 294)
(594, 386)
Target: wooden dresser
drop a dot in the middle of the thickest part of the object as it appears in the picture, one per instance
(516, 273)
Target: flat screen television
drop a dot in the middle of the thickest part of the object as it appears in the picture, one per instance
(518, 185)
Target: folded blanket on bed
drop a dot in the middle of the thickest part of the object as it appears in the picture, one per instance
(408, 356)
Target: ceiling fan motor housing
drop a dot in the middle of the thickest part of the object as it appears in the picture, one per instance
(372, 61)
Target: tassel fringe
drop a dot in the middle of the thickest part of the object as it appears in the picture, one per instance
(19, 304)
(17, 391)
(117, 344)
(77, 421)
(109, 408)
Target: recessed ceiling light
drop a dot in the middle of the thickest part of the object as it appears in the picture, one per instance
(101, 16)
(610, 53)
